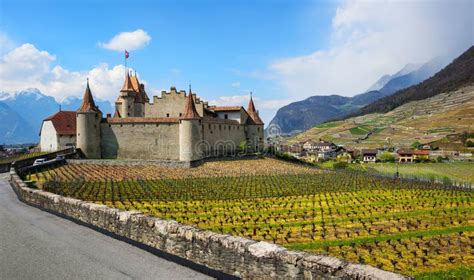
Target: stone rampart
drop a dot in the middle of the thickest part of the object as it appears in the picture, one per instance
(236, 256)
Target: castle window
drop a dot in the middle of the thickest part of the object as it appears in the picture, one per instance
(258, 129)
(180, 114)
(167, 115)
(229, 127)
(209, 126)
(133, 125)
(226, 116)
(219, 127)
(121, 125)
(156, 125)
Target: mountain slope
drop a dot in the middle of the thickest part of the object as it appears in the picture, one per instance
(25, 110)
(427, 120)
(457, 74)
(14, 128)
(302, 115)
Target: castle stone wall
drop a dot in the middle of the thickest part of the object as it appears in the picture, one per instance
(221, 138)
(140, 141)
(170, 104)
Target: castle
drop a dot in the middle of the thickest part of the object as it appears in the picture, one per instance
(177, 126)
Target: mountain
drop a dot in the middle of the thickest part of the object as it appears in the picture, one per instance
(302, 115)
(26, 110)
(457, 74)
(431, 120)
(14, 128)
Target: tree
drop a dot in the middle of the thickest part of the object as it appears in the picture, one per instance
(416, 144)
(387, 157)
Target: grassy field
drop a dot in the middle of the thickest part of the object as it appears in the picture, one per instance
(409, 227)
(455, 171)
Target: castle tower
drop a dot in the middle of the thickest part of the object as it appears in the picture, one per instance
(140, 96)
(88, 126)
(255, 128)
(190, 134)
(127, 98)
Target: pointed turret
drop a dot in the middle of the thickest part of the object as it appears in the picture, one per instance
(127, 84)
(88, 126)
(253, 113)
(190, 112)
(88, 104)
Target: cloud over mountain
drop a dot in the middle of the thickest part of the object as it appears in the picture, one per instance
(127, 41)
(372, 38)
(28, 67)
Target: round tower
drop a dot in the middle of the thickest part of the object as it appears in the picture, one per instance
(88, 126)
(190, 134)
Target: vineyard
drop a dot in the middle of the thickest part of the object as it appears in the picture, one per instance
(20, 157)
(404, 226)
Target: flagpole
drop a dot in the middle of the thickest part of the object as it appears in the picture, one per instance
(125, 60)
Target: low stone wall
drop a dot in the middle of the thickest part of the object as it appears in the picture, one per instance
(232, 255)
(166, 163)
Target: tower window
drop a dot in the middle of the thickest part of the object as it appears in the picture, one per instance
(226, 116)
(167, 115)
(180, 114)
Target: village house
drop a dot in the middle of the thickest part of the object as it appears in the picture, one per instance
(58, 131)
(405, 155)
(421, 155)
(369, 155)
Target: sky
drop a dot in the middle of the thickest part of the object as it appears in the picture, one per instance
(281, 50)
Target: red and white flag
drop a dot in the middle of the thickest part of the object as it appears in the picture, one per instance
(126, 54)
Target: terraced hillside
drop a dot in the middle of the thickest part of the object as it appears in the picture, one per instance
(425, 121)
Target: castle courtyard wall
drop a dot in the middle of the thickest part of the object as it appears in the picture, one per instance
(140, 140)
(221, 138)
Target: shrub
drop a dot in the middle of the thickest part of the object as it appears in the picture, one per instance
(387, 157)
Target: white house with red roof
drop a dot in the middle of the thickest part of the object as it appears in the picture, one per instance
(58, 131)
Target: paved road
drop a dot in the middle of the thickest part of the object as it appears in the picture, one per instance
(37, 245)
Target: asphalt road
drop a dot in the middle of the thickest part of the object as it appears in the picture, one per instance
(38, 245)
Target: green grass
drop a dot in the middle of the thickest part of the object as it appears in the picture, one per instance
(327, 125)
(359, 130)
(455, 171)
(457, 273)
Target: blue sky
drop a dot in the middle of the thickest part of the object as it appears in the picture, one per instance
(281, 50)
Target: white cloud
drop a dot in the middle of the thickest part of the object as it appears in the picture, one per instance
(6, 44)
(127, 41)
(370, 39)
(235, 84)
(27, 67)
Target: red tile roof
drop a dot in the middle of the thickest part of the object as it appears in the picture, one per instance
(190, 112)
(422, 152)
(127, 84)
(253, 113)
(88, 104)
(64, 122)
(224, 108)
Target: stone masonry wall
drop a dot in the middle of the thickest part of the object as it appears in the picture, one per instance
(232, 255)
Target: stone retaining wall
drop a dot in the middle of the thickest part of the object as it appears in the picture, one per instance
(232, 255)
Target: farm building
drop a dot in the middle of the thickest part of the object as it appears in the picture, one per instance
(369, 155)
(405, 155)
(58, 131)
(421, 155)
